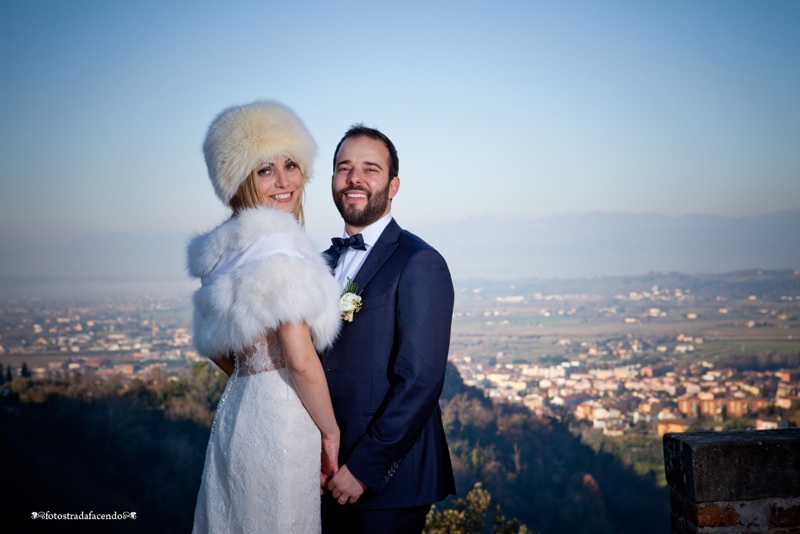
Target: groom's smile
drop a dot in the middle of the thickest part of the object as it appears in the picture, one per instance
(356, 195)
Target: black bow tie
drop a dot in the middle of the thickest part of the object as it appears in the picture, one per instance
(355, 241)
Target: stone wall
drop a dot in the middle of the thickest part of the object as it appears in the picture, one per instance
(734, 482)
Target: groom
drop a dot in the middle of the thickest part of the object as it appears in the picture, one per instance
(386, 370)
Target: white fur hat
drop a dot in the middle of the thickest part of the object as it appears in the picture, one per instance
(243, 137)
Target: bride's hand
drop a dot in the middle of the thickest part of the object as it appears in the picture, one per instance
(330, 461)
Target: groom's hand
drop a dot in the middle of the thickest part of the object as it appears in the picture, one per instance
(345, 487)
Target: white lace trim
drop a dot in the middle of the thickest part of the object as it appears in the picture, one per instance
(266, 355)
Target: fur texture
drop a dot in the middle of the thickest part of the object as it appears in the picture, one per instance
(237, 306)
(243, 137)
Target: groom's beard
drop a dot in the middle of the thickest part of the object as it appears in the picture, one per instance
(374, 210)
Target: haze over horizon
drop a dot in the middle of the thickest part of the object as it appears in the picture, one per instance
(514, 109)
(558, 247)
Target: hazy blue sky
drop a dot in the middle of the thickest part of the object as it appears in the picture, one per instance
(523, 108)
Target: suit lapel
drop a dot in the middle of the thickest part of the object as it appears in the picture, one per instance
(383, 248)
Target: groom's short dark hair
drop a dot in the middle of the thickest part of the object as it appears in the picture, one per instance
(359, 130)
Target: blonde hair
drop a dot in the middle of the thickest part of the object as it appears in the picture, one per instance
(247, 196)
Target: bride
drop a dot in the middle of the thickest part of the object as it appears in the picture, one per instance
(266, 305)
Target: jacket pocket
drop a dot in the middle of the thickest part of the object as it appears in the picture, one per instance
(374, 301)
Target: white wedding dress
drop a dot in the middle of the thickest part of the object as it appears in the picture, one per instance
(262, 464)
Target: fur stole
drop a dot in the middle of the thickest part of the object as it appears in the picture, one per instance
(259, 270)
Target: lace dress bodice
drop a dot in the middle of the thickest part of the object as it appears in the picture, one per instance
(266, 355)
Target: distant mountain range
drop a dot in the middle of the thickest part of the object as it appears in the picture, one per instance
(564, 246)
(602, 244)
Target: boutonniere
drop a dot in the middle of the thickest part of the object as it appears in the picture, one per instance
(350, 301)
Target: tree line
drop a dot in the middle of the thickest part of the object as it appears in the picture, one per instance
(86, 444)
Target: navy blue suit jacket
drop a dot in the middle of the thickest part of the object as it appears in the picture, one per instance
(386, 371)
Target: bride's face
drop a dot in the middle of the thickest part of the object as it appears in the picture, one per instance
(280, 183)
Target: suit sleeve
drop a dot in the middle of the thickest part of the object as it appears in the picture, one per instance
(424, 310)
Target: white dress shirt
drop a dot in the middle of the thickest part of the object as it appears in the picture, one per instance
(351, 259)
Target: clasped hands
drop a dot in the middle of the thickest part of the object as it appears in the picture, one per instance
(340, 482)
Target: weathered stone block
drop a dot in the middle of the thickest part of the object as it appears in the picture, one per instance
(734, 466)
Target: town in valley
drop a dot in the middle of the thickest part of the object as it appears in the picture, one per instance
(663, 352)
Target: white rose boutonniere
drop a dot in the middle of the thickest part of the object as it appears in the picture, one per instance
(350, 301)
